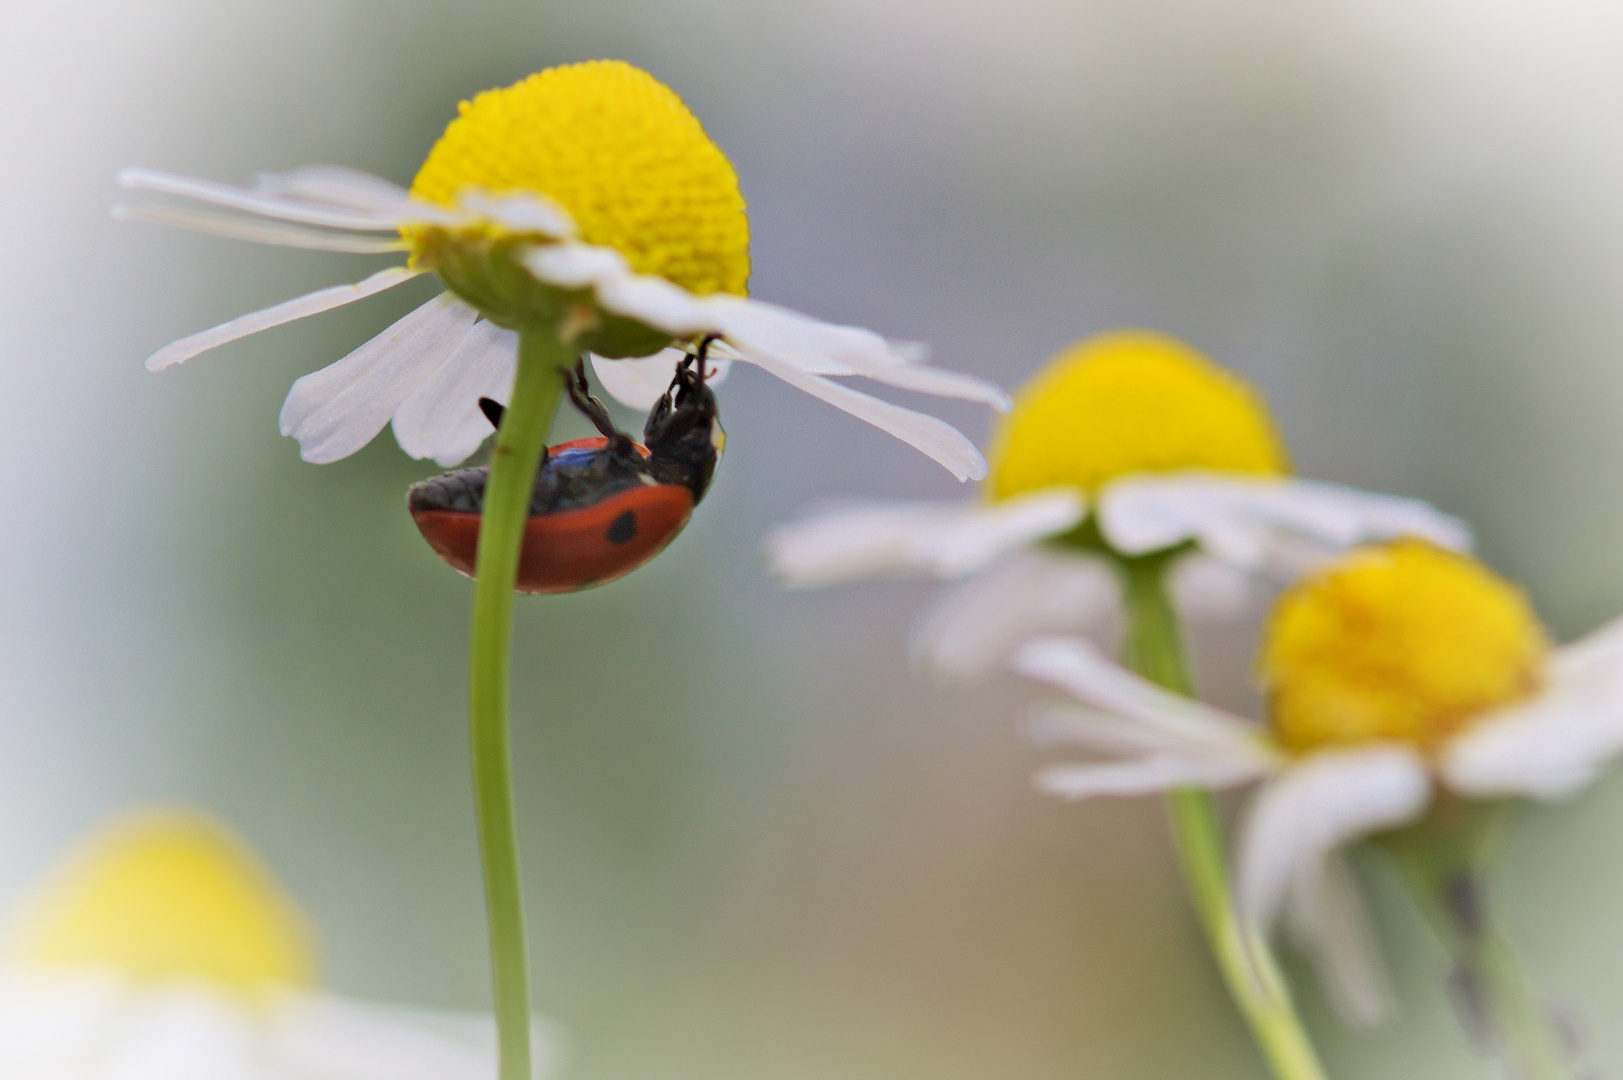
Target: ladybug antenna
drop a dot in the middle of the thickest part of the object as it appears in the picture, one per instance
(493, 411)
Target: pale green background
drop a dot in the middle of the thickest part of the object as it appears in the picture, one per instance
(757, 846)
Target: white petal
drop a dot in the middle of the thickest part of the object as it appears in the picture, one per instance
(974, 540)
(655, 302)
(277, 234)
(184, 1031)
(441, 419)
(337, 410)
(520, 212)
(1078, 667)
(1600, 649)
(272, 206)
(1326, 917)
(1316, 805)
(935, 438)
(285, 312)
(339, 185)
(574, 266)
(1143, 776)
(831, 349)
(856, 541)
(1206, 589)
(1555, 744)
(641, 382)
(975, 625)
(1262, 523)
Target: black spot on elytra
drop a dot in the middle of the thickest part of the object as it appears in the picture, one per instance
(623, 528)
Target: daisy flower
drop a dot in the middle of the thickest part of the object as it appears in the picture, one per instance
(586, 199)
(1125, 445)
(165, 949)
(1407, 687)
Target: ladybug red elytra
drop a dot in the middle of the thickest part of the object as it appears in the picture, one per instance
(601, 507)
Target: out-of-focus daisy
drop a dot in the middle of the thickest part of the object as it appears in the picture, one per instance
(586, 198)
(1126, 444)
(1404, 682)
(165, 950)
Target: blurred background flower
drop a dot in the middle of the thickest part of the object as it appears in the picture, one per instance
(162, 947)
(1399, 221)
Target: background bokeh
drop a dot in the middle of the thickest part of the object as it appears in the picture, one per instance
(757, 845)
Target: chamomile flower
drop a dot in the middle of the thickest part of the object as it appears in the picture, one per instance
(1395, 673)
(585, 198)
(164, 949)
(1125, 444)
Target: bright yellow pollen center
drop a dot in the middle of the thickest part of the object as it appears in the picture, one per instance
(1402, 641)
(617, 149)
(1130, 402)
(168, 896)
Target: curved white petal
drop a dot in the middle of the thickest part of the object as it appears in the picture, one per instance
(1141, 776)
(278, 234)
(1206, 589)
(338, 185)
(1262, 523)
(975, 539)
(1326, 917)
(574, 266)
(976, 624)
(654, 302)
(285, 312)
(337, 410)
(441, 419)
(935, 438)
(276, 206)
(519, 211)
(1105, 733)
(1555, 744)
(1079, 668)
(1599, 650)
(1316, 805)
(642, 381)
(856, 541)
(821, 348)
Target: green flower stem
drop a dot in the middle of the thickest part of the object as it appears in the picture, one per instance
(1155, 651)
(513, 464)
(1442, 859)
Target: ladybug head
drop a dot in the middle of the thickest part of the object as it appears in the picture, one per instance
(683, 431)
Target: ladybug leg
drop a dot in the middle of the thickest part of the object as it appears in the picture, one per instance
(493, 410)
(580, 396)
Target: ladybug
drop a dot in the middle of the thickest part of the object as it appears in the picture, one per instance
(601, 507)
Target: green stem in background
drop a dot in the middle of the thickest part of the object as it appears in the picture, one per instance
(1442, 859)
(1155, 651)
(513, 464)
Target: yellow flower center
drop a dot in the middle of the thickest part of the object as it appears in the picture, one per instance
(1130, 402)
(168, 896)
(617, 149)
(1401, 641)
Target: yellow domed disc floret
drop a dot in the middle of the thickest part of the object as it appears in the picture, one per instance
(620, 152)
(1403, 641)
(1130, 402)
(168, 896)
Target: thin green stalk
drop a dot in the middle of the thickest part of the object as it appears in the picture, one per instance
(1155, 651)
(1442, 858)
(513, 464)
